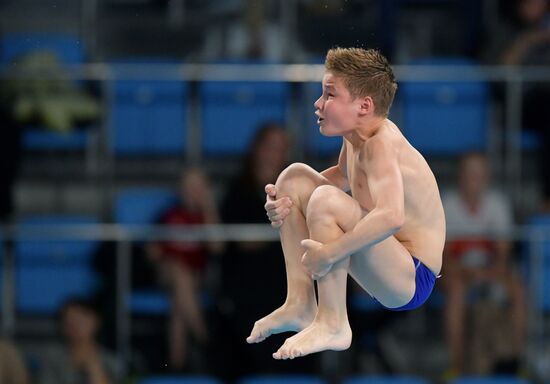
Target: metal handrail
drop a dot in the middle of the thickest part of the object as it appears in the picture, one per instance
(275, 72)
(199, 232)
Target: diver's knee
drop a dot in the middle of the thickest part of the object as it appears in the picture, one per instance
(324, 201)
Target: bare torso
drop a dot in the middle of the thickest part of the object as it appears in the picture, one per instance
(423, 232)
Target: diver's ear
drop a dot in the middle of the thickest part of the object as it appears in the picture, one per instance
(366, 105)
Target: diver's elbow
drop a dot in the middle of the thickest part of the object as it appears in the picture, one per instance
(395, 220)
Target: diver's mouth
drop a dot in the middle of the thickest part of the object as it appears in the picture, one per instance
(320, 120)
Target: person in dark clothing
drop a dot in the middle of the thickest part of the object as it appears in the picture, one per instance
(523, 40)
(244, 203)
(10, 154)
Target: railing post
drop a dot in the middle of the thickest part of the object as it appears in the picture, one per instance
(540, 328)
(513, 160)
(535, 328)
(8, 290)
(123, 287)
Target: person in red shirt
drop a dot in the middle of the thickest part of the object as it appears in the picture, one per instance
(181, 265)
(481, 276)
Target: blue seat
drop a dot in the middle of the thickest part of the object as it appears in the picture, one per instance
(143, 206)
(447, 117)
(542, 222)
(184, 379)
(39, 139)
(148, 117)
(43, 290)
(316, 143)
(70, 51)
(149, 302)
(48, 272)
(233, 111)
(489, 380)
(282, 379)
(156, 302)
(47, 252)
(381, 379)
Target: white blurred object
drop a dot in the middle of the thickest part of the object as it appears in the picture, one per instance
(475, 258)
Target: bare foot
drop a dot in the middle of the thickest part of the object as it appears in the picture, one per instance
(319, 336)
(284, 319)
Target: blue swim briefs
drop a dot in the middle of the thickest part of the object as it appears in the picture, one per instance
(425, 281)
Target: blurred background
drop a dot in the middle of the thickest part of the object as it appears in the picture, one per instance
(137, 136)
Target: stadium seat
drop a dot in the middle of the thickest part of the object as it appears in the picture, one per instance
(147, 117)
(179, 380)
(446, 117)
(233, 111)
(41, 139)
(537, 223)
(143, 206)
(69, 49)
(280, 379)
(149, 302)
(48, 272)
(489, 380)
(377, 379)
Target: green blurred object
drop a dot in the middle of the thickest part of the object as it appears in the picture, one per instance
(50, 99)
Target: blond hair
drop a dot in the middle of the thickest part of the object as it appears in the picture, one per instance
(365, 72)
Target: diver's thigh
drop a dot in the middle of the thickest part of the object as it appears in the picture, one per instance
(386, 271)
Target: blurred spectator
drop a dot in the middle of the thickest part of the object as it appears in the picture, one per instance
(244, 202)
(247, 30)
(81, 359)
(525, 41)
(12, 367)
(478, 262)
(182, 265)
(531, 44)
(10, 153)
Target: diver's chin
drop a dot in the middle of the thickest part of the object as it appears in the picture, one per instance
(327, 132)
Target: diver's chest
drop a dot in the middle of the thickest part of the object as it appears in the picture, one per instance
(359, 186)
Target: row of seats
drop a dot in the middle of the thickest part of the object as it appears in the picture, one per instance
(151, 117)
(48, 272)
(363, 379)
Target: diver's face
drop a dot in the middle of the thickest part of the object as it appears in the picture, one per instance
(336, 109)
